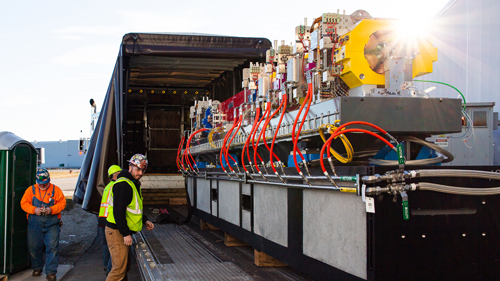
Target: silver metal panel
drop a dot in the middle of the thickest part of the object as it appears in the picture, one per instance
(245, 189)
(203, 195)
(229, 201)
(246, 220)
(404, 114)
(477, 149)
(496, 145)
(214, 208)
(271, 213)
(335, 230)
(190, 188)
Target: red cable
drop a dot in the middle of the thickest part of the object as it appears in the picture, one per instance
(248, 139)
(224, 144)
(338, 133)
(361, 131)
(265, 126)
(362, 123)
(268, 110)
(277, 129)
(255, 153)
(230, 141)
(181, 156)
(263, 132)
(295, 124)
(179, 153)
(188, 150)
(308, 99)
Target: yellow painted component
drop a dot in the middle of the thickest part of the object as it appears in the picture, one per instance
(422, 64)
(356, 69)
(348, 189)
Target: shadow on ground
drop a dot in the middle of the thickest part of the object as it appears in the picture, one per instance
(78, 232)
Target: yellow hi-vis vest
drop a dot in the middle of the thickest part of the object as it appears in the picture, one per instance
(103, 210)
(134, 209)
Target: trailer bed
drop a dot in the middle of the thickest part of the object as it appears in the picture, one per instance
(185, 252)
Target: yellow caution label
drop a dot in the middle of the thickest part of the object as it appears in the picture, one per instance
(348, 189)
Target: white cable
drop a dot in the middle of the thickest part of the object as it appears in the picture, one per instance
(473, 133)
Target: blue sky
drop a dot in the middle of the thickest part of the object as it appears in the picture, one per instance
(56, 55)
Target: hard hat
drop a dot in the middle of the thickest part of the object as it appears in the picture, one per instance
(42, 176)
(139, 160)
(113, 169)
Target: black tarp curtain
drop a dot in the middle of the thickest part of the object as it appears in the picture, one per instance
(105, 143)
(102, 151)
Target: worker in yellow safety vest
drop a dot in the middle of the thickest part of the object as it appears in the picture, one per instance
(113, 172)
(125, 216)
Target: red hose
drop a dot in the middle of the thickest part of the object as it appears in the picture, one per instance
(179, 153)
(295, 124)
(257, 112)
(224, 144)
(263, 133)
(338, 133)
(308, 99)
(230, 141)
(255, 153)
(285, 97)
(255, 147)
(187, 150)
(362, 123)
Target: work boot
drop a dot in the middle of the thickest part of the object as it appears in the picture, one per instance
(51, 277)
(37, 273)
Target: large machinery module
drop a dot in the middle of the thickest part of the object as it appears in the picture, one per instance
(367, 202)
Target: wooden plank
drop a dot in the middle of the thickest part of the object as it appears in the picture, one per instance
(232, 241)
(162, 202)
(206, 226)
(163, 191)
(170, 195)
(178, 201)
(262, 259)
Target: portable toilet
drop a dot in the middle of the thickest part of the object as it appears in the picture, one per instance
(18, 163)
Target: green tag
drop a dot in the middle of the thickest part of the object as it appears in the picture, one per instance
(406, 210)
(401, 158)
(347, 178)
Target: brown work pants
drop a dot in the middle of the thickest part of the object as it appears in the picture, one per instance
(119, 255)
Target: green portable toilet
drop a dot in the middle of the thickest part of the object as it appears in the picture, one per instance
(18, 163)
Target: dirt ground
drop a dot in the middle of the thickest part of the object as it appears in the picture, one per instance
(57, 174)
(78, 232)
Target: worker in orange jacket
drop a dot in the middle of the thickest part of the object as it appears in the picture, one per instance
(43, 203)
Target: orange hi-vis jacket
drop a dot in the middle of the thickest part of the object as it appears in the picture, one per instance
(46, 197)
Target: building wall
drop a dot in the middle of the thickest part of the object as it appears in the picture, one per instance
(466, 35)
(57, 153)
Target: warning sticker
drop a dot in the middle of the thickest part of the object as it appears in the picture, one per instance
(442, 142)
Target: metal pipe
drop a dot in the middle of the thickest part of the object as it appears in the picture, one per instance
(293, 185)
(286, 176)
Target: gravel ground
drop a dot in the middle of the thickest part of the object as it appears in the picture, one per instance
(78, 232)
